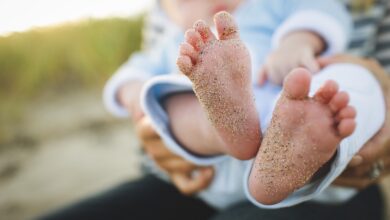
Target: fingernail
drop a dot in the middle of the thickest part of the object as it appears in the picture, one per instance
(356, 161)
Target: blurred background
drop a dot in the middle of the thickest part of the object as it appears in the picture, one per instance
(57, 142)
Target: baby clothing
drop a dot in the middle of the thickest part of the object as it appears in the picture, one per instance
(365, 96)
(262, 24)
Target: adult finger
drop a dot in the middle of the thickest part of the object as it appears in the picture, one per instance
(190, 184)
(365, 169)
(353, 182)
(378, 146)
(373, 149)
(144, 129)
(156, 149)
(359, 171)
(176, 164)
(359, 182)
(355, 161)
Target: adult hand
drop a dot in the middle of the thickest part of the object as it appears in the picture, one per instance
(375, 154)
(187, 177)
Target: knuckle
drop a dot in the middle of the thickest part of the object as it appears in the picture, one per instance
(182, 189)
(185, 190)
(367, 153)
(203, 184)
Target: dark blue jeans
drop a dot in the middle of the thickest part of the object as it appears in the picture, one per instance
(152, 198)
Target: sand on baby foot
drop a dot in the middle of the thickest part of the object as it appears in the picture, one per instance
(302, 136)
(221, 77)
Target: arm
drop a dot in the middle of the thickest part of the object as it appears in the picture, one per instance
(121, 92)
(328, 19)
(306, 39)
(308, 29)
(128, 96)
(118, 94)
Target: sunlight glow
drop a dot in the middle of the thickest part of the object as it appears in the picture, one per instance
(21, 15)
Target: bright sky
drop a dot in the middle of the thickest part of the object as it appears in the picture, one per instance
(21, 15)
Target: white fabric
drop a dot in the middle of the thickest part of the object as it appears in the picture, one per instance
(257, 35)
(227, 186)
(367, 98)
(152, 92)
(365, 95)
(316, 21)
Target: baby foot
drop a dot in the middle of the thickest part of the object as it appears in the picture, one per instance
(220, 70)
(303, 135)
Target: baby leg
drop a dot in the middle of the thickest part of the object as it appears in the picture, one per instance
(220, 70)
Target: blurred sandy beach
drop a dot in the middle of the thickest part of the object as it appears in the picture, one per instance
(57, 142)
(71, 148)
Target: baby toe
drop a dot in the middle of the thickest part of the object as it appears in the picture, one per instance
(204, 31)
(347, 112)
(338, 101)
(346, 127)
(188, 50)
(185, 64)
(194, 39)
(226, 26)
(326, 92)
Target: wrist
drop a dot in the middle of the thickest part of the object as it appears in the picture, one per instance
(129, 94)
(304, 40)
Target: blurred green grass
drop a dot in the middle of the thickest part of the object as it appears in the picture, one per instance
(60, 58)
